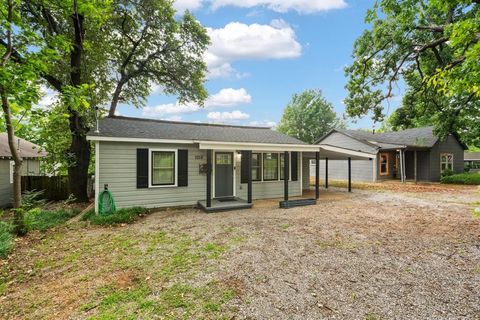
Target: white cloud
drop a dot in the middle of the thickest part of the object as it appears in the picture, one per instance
(182, 5)
(228, 116)
(301, 6)
(174, 118)
(227, 97)
(239, 41)
(263, 123)
(49, 97)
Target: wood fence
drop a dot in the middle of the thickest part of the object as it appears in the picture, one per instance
(55, 188)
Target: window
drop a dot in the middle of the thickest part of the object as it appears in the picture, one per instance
(282, 165)
(270, 166)
(446, 161)
(256, 166)
(163, 168)
(223, 158)
(384, 164)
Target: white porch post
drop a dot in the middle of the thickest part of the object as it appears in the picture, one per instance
(97, 174)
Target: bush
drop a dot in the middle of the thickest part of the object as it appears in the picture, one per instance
(447, 173)
(471, 178)
(127, 215)
(6, 239)
(37, 219)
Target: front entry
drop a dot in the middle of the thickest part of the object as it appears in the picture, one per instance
(223, 174)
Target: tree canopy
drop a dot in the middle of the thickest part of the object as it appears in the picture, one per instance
(432, 49)
(309, 116)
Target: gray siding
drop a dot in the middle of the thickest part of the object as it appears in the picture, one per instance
(449, 145)
(362, 170)
(118, 170)
(6, 192)
(306, 173)
(338, 139)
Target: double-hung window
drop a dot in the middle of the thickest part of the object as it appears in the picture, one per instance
(270, 166)
(163, 165)
(282, 166)
(446, 161)
(256, 167)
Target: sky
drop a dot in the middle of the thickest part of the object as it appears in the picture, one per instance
(261, 53)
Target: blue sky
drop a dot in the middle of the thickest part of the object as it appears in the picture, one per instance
(262, 52)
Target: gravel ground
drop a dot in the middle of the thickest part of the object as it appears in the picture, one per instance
(365, 255)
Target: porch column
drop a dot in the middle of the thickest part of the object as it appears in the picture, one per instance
(349, 174)
(249, 182)
(286, 176)
(209, 178)
(415, 166)
(326, 173)
(317, 175)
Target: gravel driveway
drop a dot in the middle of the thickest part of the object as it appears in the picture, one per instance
(365, 255)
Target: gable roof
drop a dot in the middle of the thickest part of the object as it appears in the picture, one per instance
(26, 148)
(127, 127)
(417, 137)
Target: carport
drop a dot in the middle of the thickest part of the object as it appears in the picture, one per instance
(328, 152)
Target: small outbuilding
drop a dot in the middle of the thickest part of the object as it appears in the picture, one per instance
(31, 154)
(412, 154)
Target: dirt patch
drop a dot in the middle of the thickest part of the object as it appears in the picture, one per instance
(372, 254)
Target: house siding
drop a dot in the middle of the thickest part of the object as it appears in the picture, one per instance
(117, 168)
(449, 145)
(338, 139)
(29, 168)
(362, 170)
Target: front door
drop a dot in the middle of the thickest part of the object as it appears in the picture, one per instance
(223, 174)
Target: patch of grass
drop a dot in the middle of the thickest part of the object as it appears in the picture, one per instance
(476, 212)
(477, 269)
(127, 215)
(37, 219)
(372, 316)
(214, 250)
(6, 239)
(470, 178)
(284, 226)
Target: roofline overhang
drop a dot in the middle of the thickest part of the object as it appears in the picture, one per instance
(217, 145)
(347, 152)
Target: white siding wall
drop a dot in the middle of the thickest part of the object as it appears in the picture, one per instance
(362, 170)
(118, 170)
(6, 191)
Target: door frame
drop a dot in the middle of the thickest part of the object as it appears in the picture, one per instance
(234, 169)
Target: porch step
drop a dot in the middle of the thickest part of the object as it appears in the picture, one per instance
(297, 203)
(224, 205)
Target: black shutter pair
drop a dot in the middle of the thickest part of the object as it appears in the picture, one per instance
(244, 166)
(142, 168)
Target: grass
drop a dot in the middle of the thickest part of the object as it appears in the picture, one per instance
(469, 178)
(121, 216)
(42, 220)
(6, 239)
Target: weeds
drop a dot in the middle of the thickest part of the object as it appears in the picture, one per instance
(127, 215)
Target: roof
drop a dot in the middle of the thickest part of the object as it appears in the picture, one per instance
(417, 137)
(26, 148)
(126, 127)
(471, 156)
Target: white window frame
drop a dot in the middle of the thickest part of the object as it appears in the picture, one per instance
(12, 168)
(261, 153)
(447, 163)
(260, 159)
(150, 178)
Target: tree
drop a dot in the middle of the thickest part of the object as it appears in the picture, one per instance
(432, 48)
(113, 49)
(308, 116)
(18, 85)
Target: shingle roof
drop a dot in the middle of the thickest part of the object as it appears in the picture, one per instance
(126, 127)
(26, 148)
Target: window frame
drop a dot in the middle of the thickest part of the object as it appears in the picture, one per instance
(387, 172)
(150, 168)
(260, 167)
(278, 166)
(447, 163)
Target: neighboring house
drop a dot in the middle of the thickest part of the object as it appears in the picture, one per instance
(472, 159)
(155, 163)
(31, 154)
(412, 154)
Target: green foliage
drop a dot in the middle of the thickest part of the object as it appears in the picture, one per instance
(127, 215)
(42, 220)
(33, 199)
(308, 117)
(431, 47)
(447, 172)
(6, 239)
(470, 178)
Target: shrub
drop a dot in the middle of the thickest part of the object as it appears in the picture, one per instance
(471, 178)
(447, 173)
(33, 199)
(6, 239)
(127, 215)
(38, 219)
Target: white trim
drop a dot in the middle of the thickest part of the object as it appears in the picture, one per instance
(301, 172)
(150, 151)
(97, 174)
(143, 140)
(346, 151)
(268, 147)
(446, 154)
(12, 170)
(234, 164)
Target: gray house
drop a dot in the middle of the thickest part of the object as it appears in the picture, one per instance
(413, 154)
(155, 163)
(31, 154)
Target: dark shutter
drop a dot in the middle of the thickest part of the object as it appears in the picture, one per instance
(294, 166)
(244, 167)
(142, 168)
(182, 168)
